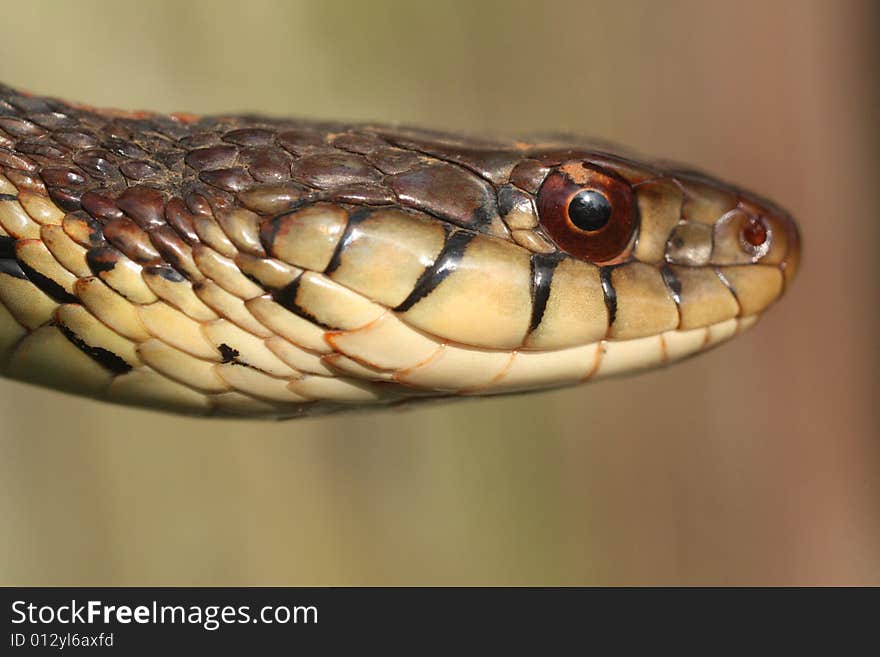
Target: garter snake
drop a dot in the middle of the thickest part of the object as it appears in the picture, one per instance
(244, 265)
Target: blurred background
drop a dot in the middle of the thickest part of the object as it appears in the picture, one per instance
(758, 463)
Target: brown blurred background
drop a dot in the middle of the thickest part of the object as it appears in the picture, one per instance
(758, 463)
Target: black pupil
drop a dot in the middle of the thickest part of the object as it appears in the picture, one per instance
(589, 210)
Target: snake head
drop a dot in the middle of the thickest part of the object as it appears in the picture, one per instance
(242, 265)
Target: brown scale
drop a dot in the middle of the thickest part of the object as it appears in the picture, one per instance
(212, 157)
(132, 240)
(180, 217)
(333, 169)
(232, 179)
(391, 160)
(272, 199)
(301, 141)
(448, 190)
(101, 206)
(175, 251)
(250, 137)
(144, 205)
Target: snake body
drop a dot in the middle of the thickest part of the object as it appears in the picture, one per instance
(253, 266)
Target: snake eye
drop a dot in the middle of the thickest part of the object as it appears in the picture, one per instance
(588, 212)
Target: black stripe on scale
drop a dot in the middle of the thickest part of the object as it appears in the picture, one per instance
(609, 292)
(269, 229)
(101, 259)
(11, 267)
(543, 265)
(47, 285)
(8, 197)
(286, 296)
(445, 264)
(104, 357)
(170, 274)
(672, 283)
(7, 247)
(8, 263)
(228, 354)
(728, 285)
(348, 236)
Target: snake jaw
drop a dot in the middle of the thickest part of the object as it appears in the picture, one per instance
(263, 267)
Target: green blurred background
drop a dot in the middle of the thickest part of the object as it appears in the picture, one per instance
(758, 463)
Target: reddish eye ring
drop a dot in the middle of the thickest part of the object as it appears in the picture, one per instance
(588, 212)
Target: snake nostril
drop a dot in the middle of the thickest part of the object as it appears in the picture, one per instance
(755, 236)
(755, 232)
